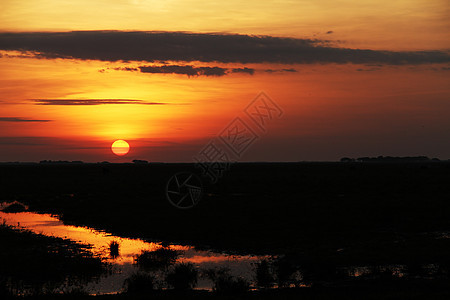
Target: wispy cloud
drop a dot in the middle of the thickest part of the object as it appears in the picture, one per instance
(290, 70)
(204, 47)
(21, 120)
(185, 70)
(243, 70)
(92, 102)
(188, 70)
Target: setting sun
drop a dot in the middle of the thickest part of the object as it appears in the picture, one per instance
(120, 147)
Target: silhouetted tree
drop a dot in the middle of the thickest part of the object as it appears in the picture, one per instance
(139, 161)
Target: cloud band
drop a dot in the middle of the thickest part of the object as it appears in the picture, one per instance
(204, 47)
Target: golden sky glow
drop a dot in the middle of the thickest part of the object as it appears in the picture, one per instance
(401, 24)
(395, 104)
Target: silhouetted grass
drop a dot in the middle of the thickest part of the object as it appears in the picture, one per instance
(32, 263)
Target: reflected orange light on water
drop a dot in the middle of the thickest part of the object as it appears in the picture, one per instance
(199, 259)
(51, 226)
(129, 249)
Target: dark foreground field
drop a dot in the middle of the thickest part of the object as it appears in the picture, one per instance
(321, 219)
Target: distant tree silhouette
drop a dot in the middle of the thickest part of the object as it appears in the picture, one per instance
(60, 162)
(347, 159)
(394, 159)
(138, 161)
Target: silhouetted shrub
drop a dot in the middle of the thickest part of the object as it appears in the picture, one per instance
(15, 208)
(4, 290)
(139, 283)
(264, 277)
(75, 292)
(183, 277)
(33, 263)
(381, 273)
(160, 258)
(286, 272)
(416, 271)
(225, 283)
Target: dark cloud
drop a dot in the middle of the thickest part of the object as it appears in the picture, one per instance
(367, 70)
(184, 70)
(92, 102)
(243, 70)
(212, 71)
(330, 32)
(291, 70)
(126, 69)
(205, 47)
(21, 120)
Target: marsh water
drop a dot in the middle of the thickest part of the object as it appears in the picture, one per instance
(123, 265)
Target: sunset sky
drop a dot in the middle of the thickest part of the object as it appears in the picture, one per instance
(351, 78)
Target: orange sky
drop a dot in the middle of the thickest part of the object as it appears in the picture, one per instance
(331, 109)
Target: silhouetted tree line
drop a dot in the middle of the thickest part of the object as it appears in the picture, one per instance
(140, 161)
(60, 162)
(390, 159)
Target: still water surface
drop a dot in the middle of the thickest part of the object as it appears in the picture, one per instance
(239, 265)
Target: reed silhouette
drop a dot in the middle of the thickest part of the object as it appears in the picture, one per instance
(114, 249)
